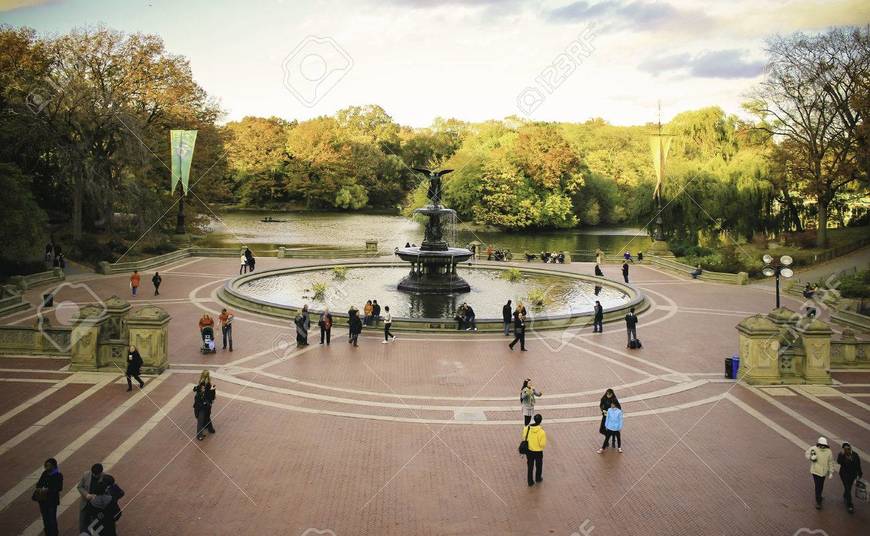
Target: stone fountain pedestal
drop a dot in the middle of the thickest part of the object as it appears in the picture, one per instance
(433, 264)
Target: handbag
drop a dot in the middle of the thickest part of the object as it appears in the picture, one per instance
(524, 444)
(40, 494)
(861, 490)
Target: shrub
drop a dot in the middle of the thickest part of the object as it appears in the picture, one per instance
(339, 273)
(318, 290)
(856, 285)
(537, 297)
(511, 274)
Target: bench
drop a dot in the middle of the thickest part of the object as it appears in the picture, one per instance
(740, 278)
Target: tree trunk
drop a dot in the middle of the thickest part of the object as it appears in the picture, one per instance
(822, 233)
(77, 209)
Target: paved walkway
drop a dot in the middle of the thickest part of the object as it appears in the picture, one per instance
(420, 436)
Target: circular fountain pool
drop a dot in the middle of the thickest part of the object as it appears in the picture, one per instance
(548, 294)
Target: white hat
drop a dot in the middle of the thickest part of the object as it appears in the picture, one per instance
(822, 441)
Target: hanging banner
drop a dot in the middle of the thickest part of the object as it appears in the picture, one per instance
(182, 142)
(659, 146)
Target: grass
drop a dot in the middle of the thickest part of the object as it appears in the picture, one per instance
(511, 274)
(318, 290)
(537, 297)
(339, 273)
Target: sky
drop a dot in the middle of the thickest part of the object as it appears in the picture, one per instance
(547, 60)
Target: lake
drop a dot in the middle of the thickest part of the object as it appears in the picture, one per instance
(353, 229)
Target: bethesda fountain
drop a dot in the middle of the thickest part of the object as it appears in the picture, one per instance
(433, 264)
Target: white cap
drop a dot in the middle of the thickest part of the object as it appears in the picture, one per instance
(822, 441)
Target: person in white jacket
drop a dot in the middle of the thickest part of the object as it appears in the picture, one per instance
(821, 466)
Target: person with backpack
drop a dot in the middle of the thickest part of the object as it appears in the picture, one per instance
(527, 400)
(821, 466)
(47, 495)
(850, 470)
(103, 509)
(536, 437)
(613, 427)
(325, 325)
(156, 280)
(631, 328)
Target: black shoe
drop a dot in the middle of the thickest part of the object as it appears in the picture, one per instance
(539, 479)
(818, 505)
(129, 389)
(142, 385)
(531, 484)
(851, 509)
(511, 346)
(523, 349)
(200, 437)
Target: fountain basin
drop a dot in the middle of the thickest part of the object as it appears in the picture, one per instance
(281, 293)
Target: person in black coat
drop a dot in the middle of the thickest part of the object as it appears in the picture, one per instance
(850, 469)
(519, 331)
(47, 494)
(607, 401)
(506, 318)
(156, 280)
(203, 399)
(103, 510)
(134, 365)
(598, 271)
(598, 318)
(625, 271)
(355, 326)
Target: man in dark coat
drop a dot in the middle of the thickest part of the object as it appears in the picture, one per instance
(625, 271)
(506, 318)
(87, 487)
(519, 331)
(376, 312)
(203, 398)
(850, 469)
(598, 318)
(47, 494)
(631, 326)
(355, 326)
(156, 280)
(134, 366)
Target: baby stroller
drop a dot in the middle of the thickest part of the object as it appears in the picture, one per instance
(208, 340)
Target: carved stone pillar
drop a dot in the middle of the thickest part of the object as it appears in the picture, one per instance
(759, 350)
(816, 340)
(116, 309)
(85, 337)
(148, 329)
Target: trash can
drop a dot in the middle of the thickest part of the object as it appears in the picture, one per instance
(48, 300)
(735, 367)
(728, 366)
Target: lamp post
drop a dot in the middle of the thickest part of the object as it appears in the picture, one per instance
(776, 268)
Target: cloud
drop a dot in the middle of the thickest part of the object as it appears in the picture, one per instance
(12, 5)
(638, 14)
(730, 63)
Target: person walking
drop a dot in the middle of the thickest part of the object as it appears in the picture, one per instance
(302, 324)
(134, 282)
(631, 326)
(599, 257)
(850, 469)
(203, 398)
(367, 313)
(528, 394)
(249, 260)
(376, 313)
(598, 318)
(47, 495)
(598, 271)
(355, 326)
(519, 330)
(388, 322)
(243, 263)
(613, 427)
(625, 271)
(226, 319)
(506, 318)
(821, 466)
(537, 438)
(607, 401)
(134, 366)
(325, 325)
(88, 486)
(156, 280)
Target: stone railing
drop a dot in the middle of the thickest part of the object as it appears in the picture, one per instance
(740, 278)
(106, 267)
(850, 352)
(11, 300)
(24, 282)
(320, 252)
(23, 340)
(851, 320)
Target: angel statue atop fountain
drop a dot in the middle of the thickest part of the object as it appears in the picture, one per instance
(434, 192)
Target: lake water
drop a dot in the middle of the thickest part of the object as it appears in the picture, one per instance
(353, 229)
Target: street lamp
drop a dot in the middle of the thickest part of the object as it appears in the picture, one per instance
(777, 267)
